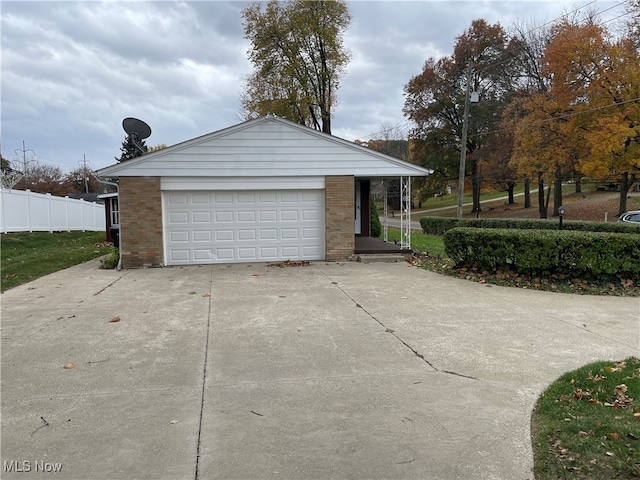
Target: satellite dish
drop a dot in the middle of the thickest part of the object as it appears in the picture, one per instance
(137, 130)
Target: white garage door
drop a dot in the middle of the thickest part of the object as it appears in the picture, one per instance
(243, 226)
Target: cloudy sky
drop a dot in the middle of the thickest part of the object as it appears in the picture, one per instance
(73, 70)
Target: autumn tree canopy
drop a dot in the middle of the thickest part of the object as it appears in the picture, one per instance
(434, 101)
(588, 121)
(557, 102)
(298, 57)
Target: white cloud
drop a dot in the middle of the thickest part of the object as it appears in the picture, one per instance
(72, 70)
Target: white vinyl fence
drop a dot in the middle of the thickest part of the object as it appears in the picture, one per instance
(25, 211)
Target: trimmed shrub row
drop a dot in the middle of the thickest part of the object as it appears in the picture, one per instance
(546, 251)
(440, 225)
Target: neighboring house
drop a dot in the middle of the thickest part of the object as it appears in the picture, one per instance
(112, 216)
(264, 190)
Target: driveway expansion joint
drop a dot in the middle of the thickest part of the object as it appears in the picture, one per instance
(204, 378)
(124, 274)
(386, 329)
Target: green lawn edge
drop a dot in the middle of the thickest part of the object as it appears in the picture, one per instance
(26, 256)
(586, 424)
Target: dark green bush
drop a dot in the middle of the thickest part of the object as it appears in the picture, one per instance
(376, 226)
(546, 251)
(438, 225)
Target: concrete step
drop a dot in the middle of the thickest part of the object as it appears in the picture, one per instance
(379, 257)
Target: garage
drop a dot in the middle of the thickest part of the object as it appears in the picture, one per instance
(202, 227)
(265, 190)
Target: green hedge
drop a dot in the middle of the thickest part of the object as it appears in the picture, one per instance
(546, 251)
(439, 225)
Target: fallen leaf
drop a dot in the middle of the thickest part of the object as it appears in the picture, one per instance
(620, 390)
(283, 296)
(609, 454)
(614, 436)
(173, 422)
(255, 274)
(69, 366)
(206, 295)
(114, 319)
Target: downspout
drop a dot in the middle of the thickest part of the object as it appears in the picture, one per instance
(119, 266)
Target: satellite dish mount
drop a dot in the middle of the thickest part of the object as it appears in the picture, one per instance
(137, 131)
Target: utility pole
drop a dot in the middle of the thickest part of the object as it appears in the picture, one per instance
(463, 148)
(24, 156)
(84, 172)
(24, 161)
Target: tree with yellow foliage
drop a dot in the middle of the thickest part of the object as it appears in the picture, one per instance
(589, 119)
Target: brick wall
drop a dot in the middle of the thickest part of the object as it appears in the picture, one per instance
(141, 222)
(339, 217)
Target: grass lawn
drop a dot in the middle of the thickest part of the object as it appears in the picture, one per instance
(26, 256)
(587, 424)
(430, 244)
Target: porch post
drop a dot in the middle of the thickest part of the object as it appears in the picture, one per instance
(385, 234)
(405, 213)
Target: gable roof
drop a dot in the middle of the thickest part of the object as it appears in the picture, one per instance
(267, 146)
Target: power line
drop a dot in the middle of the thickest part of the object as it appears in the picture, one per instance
(509, 55)
(559, 117)
(406, 122)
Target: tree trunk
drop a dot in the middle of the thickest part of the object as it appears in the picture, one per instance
(541, 207)
(624, 190)
(326, 122)
(546, 203)
(510, 188)
(527, 192)
(578, 185)
(557, 192)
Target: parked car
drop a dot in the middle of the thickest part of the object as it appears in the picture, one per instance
(630, 217)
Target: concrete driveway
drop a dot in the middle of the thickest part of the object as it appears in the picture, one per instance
(331, 371)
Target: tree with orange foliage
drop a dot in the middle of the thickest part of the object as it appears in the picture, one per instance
(589, 119)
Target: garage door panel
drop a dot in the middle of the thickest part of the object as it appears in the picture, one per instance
(179, 217)
(202, 254)
(246, 235)
(201, 199)
(247, 254)
(202, 236)
(179, 237)
(268, 216)
(267, 197)
(247, 216)
(174, 198)
(225, 255)
(268, 234)
(201, 217)
(289, 215)
(243, 226)
(269, 253)
(179, 255)
(222, 198)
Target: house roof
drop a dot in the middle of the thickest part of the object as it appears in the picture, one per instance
(268, 146)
